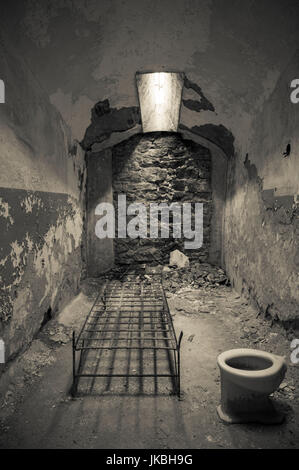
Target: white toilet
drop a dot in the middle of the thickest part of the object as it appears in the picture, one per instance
(248, 377)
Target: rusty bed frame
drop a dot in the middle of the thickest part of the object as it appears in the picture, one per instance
(129, 313)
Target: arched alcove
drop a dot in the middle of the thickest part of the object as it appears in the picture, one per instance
(138, 154)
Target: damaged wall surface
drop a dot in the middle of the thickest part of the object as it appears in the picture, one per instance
(236, 96)
(224, 49)
(262, 212)
(41, 214)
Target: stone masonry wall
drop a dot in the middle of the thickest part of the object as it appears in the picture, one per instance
(161, 168)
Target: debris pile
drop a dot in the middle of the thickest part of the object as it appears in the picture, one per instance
(196, 275)
(58, 333)
(179, 273)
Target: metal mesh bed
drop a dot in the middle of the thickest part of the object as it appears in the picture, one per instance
(129, 316)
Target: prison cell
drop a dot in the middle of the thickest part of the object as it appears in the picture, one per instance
(130, 315)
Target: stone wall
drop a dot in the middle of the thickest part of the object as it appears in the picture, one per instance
(161, 168)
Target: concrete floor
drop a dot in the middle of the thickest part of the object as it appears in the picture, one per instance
(38, 412)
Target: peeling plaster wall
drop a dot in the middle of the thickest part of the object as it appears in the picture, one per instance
(233, 59)
(262, 212)
(234, 55)
(42, 180)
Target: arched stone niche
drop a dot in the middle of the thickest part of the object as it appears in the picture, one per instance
(102, 254)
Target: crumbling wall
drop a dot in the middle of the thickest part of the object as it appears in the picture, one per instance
(234, 60)
(161, 168)
(42, 180)
(111, 127)
(262, 223)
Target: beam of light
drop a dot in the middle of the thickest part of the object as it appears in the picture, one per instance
(160, 100)
(160, 88)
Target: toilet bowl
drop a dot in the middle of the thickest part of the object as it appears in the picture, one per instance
(248, 377)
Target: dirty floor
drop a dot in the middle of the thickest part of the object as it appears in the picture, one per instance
(37, 410)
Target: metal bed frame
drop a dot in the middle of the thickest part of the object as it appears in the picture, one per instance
(129, 313)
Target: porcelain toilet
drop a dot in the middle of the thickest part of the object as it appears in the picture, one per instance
(248, 377)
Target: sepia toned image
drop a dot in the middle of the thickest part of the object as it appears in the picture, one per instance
(149, 229)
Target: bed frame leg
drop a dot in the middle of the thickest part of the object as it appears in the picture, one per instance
(74, 384)
(179, 366)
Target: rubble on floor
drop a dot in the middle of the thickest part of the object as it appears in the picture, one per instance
(27, 368)
(196, 275)
(57, 333)
(213, 317)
